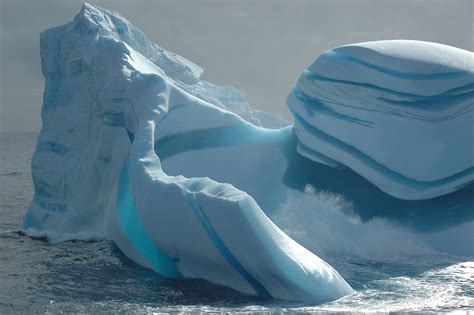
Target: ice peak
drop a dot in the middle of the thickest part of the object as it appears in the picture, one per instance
(102, 21)
(87, 7)
(98, 22)
(91, 11)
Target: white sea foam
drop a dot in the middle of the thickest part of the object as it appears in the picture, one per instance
(324, 223)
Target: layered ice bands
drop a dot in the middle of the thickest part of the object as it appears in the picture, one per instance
(399, 113)
(83, 142)
(184, 176)
(112, 100)
(206, 229)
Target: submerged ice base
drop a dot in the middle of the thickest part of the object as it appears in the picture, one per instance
(183, 175)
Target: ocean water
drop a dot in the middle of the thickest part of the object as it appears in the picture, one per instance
(392, 270)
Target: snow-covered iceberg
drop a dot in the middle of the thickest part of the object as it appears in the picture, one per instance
(400, 113)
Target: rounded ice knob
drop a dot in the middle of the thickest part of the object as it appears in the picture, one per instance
(399, 113)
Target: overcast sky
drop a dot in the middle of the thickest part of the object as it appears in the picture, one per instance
(260, 47)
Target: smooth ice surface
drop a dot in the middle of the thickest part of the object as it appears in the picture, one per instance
(186, 178)
(83, 143)
(387, 265)
(109, 93)
(400, 113)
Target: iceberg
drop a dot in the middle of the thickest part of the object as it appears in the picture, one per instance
(400, 113)
(184, 175)
(111, 97)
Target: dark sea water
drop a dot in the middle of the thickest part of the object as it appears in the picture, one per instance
(91, 277)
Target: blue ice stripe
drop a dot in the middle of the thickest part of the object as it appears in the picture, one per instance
(394, 73)
(315, 104)
(434, 102)
(133, 228)
(313, 76)
(322, 136)
(225, 251)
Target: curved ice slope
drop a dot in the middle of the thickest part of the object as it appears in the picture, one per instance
(107, 86)
(191, 198)
(400, 113)
(82, 144)
(213, 230)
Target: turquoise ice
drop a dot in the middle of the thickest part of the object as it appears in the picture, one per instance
(186, 177)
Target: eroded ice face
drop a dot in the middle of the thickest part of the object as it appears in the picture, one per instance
(399, 113)
(182, 174)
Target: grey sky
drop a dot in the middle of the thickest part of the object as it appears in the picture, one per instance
(260, 47)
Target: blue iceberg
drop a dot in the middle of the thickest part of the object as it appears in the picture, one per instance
(186, 177)
(400, 113)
